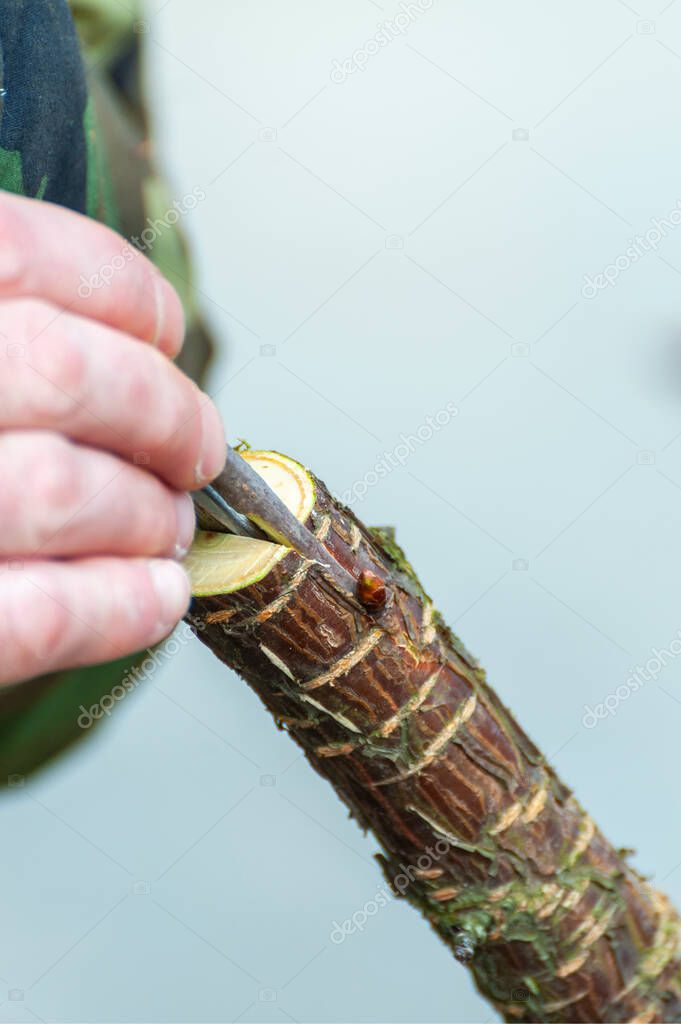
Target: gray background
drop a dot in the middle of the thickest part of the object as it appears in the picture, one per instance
(368, 251)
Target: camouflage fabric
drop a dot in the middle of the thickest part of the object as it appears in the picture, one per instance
(73, 130)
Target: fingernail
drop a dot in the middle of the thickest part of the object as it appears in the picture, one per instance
(186, 524)
(213, 453)
(170, 323)
(171, 584)
(160, 300)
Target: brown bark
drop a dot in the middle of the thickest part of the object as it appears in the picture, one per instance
(492, 847)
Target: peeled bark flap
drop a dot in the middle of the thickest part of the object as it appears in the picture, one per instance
(477, 830)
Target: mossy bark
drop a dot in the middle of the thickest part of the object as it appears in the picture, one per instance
(477, 830)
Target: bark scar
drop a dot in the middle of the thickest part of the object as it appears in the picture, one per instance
(464, 712)
(348, 661)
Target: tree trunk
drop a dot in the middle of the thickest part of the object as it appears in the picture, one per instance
(478, 832)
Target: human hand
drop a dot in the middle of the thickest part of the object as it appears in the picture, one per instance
(101, 438)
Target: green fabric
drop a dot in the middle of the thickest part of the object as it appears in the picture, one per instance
(10, 171)
(48, 724)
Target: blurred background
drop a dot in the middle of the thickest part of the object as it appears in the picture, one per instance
(455, 210)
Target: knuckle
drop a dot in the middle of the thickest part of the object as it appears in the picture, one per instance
(28, 315)
(142, 377)
(13, 243)
(170, 315)
(60, 358)
(140, 389)
(147, 508)
(153, 525)
(173, 433)
(55, 488)
(60, 361)
(12, 471)
(186, 430)
(56, 478)
(42, 486)
(136, 604)
(39, 628)
(53, 627)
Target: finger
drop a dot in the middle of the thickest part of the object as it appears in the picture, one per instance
(76, 263)
(102, 388)
(56, 615)
(60, 499)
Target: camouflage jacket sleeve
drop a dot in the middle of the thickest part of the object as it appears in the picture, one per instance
(73, 131)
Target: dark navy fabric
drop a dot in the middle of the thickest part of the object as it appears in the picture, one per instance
(44, 95)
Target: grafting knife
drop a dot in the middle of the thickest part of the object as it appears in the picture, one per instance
(242, 503)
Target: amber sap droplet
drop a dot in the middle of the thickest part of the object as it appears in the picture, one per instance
(371, 591)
